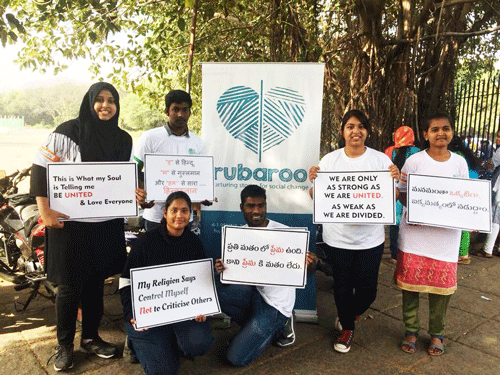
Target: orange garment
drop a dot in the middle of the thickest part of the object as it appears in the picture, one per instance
(403, 136)
(388, 151)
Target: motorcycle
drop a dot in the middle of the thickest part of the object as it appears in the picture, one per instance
(22, 240)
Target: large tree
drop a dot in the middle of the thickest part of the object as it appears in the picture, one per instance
(394, 59)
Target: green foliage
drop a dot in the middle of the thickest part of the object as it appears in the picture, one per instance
(51, 106)
(46, 106)
(136, 114)
(393, 59)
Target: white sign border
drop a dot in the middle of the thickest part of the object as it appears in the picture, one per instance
(97, 163)
(210, 260)
(212, 170)
(284, 229)
(393, 222)
(445, 226)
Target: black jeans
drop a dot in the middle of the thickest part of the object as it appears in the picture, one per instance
(90, 294)
(355, 275)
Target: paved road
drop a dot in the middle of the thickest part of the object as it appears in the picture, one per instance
(27, 339)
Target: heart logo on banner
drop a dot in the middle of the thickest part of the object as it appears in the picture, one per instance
(261, 122)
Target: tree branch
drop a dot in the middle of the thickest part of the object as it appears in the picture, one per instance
(451, 3)
(421, 18)
(448, 34)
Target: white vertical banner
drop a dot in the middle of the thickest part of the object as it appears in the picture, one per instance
(262, 124)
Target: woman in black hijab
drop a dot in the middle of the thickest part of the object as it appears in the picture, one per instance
(80, 255)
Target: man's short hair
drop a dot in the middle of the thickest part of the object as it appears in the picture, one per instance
(253, 191)
(179, 97)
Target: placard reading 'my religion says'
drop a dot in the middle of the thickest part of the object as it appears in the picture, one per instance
(354, 198)
(173, 293)
(93, 190)
(449, 202)
(261, 256)
(191, 174)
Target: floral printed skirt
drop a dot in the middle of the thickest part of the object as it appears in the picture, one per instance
(417, 273)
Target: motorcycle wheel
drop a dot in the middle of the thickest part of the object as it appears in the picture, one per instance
(9, 252)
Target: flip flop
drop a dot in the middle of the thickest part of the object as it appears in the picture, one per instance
(411, 346)
(436, 349)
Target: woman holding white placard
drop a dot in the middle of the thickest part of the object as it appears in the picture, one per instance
(158, 349)
(427, 257)
(81, 254)
(354, 251)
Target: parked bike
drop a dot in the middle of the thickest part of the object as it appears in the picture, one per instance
(22, 240)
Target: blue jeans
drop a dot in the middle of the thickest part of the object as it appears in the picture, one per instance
(259, 322)
(158, 349)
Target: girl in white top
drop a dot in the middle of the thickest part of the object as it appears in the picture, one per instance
(354, 251)
(427, 257)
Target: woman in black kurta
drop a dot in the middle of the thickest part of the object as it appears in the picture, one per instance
(158, 348)
(80, 255)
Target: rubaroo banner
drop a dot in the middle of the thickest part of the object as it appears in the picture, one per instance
(262, 124)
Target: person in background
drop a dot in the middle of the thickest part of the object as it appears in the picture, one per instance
(81, 254)
(491, 237)
(353, 251)
(388, 151)
(159, 349)
(495, 159)
(485, 150)
(427, 258)
(457, 145)
(404, 147)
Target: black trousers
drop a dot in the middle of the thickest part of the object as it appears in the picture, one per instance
(90, 294)
(355, 275)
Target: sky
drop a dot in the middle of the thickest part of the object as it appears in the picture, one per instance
(13, 78)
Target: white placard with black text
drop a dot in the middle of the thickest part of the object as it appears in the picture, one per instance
(261, 256)
(165, 174)
(173, 293)
(93, 190)
(449, 202)
(354, 197)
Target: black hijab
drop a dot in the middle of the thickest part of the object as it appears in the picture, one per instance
(101, 140)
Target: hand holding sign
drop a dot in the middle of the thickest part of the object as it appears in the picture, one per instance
(355, 197)
(449, 202)
(260, 256)
(187, 293)
(192, 174)
(92, 190)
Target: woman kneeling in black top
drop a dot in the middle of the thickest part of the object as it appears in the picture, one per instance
(158, 349)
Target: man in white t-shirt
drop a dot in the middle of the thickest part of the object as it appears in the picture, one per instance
(174, 138)
(270, 308)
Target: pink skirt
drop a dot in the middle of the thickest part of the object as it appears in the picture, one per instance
(417, 273)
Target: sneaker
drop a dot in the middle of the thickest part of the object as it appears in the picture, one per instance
(343, 344)
(99, 347)
(64, 357)
(288, 336)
